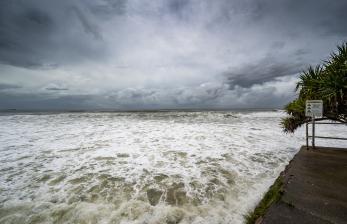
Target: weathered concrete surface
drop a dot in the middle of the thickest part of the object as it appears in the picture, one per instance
(315, 189)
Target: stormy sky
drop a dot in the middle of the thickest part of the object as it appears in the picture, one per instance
(161, 54)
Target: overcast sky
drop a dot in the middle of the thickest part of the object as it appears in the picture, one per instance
(161, 54)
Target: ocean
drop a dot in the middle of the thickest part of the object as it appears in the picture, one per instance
(142, 167)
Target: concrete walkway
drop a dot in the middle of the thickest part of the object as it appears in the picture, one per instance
(315, 189)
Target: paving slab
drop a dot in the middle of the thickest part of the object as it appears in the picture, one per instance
(314, 190)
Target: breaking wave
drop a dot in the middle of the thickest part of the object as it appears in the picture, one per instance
(162, 167)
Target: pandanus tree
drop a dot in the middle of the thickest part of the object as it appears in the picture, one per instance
(327, 82)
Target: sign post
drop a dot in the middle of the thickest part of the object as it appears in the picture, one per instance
(314, 108)
(313, 131)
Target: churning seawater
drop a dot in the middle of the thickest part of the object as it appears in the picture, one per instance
(160, 167)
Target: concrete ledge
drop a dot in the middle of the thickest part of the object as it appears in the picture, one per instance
(314, 189)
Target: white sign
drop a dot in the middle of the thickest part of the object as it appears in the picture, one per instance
(314, 108)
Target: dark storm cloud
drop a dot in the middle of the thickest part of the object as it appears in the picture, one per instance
(37, 33)
(17, 28)
(161, 53)
(261, 71)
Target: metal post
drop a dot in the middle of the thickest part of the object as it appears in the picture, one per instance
(307, 135)
(313, 132)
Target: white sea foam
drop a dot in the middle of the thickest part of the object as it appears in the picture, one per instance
(163, 167)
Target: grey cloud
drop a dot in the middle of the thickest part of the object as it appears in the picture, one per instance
(56, 89)
(4, 86)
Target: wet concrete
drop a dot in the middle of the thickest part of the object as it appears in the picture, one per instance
(315, 189)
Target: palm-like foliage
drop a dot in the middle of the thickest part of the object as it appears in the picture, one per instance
(327, 82)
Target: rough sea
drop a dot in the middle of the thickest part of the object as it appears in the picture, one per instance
(142, 167)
